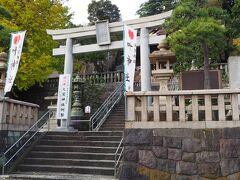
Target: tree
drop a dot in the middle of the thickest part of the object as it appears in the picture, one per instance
(103, 10)
(35, 17)
(196, 34)
(152, 7)
(233, 25)
(6, 26)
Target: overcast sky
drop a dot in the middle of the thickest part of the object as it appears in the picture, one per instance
(127, 9)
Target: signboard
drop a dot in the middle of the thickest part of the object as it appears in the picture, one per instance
(130, 46)
(63, 96)
(87, 109)
(102, 32)
(15, 52)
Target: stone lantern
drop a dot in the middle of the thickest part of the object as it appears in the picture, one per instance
(162, 59)
(3, 67)
(77, 112)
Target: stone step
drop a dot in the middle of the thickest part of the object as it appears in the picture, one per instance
(92, 149)
(83, 138)
(112, 128)
(71, 155)
(69, 162)
(87, 133)
(116, 121)
(55, 176)
(67, 169)
(79, 143)
(118, 113)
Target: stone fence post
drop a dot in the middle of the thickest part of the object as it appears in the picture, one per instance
(3, 67)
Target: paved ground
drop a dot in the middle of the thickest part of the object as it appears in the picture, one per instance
(55, 176)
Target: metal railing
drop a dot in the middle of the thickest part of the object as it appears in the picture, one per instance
(11, 153)
(98, 118)
(118, 157)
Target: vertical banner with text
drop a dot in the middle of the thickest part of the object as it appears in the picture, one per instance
(15, 51)
(130, 46)
(63, 96)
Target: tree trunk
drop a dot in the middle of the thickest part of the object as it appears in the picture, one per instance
(207, 84)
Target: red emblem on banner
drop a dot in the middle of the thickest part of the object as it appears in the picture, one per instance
(16, 39)
(130, 34)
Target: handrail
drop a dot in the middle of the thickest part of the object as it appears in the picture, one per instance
(48, 114)
(103, 111)
(117, 159)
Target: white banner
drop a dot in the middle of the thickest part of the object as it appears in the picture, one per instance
(63, 96)
(130, 46)
(15, 51)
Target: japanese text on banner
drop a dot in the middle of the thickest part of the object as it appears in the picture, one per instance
(15, 51)
(130, 46)
(63, 96)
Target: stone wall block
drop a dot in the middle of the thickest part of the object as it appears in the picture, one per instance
(166, 165)
(186, 168)
(209, 170)
(230, 166)
(229, 148)
(137, 137)
(172, 142)
(160, 152)
(175, 154)
(207, 156)
(191, 145)
(130, 153)
(189, 157)
(210, 139)
(129, 171)
(231, 133)
(157, 141)
(182, 133)
(147, 158)
(184, 177)
(233, 176)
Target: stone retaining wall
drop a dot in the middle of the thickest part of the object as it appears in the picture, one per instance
(7, 138)
(181, 154)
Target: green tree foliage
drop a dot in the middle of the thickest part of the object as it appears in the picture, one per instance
(6, 26)
(233, 25)
(103, 10)
(196, 34)
(152, 7)
(35, 17)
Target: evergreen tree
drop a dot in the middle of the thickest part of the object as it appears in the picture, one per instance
(103, 10)
(196, 34)
(152, 7)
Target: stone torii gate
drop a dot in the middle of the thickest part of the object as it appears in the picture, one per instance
(68, 35)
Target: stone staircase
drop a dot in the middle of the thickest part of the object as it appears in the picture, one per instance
(77, 152)
(115, 121)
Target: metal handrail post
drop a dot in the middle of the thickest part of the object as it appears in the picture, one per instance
(3, 163)
(49, 116)
(115, 167)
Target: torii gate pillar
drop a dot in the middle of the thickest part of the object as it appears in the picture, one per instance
(144, 60)
(68, 69)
